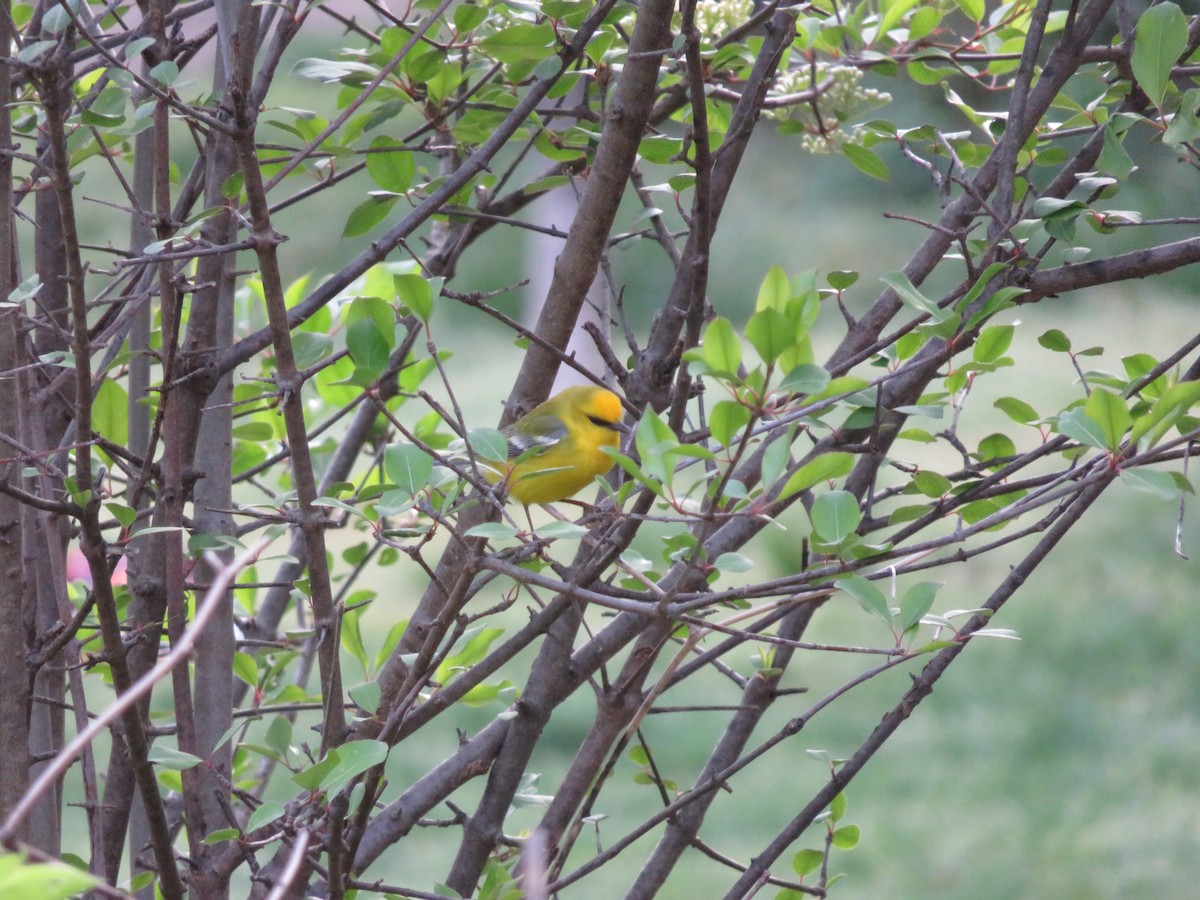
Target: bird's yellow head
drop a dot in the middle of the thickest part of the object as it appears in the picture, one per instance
(602, 407)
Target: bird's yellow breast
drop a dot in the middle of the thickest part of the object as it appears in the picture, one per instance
(588, 419)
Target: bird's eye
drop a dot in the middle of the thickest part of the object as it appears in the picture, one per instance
(602, 423)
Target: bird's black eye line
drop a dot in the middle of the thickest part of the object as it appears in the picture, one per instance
(602, 423)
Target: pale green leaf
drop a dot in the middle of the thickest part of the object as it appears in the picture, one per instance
(170, 758)
(868, 596)
(407, 466)
(721, 348)
(726, 421)
(824, 468)
(368, 214)
(909, 294)
(110, 412)
(1109, 412)
(1161, 37)
(835, 515)
(1078, 426)
(917, 601)
(866, 161)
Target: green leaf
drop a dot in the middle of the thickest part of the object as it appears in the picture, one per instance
(368, 214)
(416, 293)
(837, 807)
(351, 632)
(329, 71)
(1079, 426)
(659, 149)
(996, 446)
(366, 695)
(824, 468)
(126, 515)
(470, 649)
(654, 440)
(231, 187)
(390, 166)
(21, 879)
(973, 8)
(805, 379)
(931, 484)
(726, 421)
(266, 813)
(1017, 410)
(57, 17)
(770, 333)
(170, 758)
(1149, 481)
(245, 668)
(893, 12)
(1185, 124)
(932, 410)
(1114, 158)
(310, 348)
(805, 862)
(866, 161)
(483, 694)
(846, 837)
(407, 466)
(774, 292)
(165, 72)
(279, 736)
(369, 349)
(1109, 412)
(467, 17)
(350, 760)
(34, 49)
(133, 48)
(1167, 410)
(519, 43)
(733, 563)
(868, 596)
(110, 412)
(1044, 207)
(841, 279)
(917, 601)
(775, 457)
(1055, 340)
(310, 778)
(566, 531)
(721, 348)
(982, 282)
(993, 342)
(1138, 364)
(923, 23)
(835, 515)
(1162, 35)
(99, 120)
(491, 530)
(488, 443)
(905, 290)
(1000, 300)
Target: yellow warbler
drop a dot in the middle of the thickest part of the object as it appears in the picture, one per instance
(555, 449)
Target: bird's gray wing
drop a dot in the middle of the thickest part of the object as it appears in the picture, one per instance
(542, 432)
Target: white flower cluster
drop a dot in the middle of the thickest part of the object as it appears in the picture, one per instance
(842, 100)
(717, 17)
